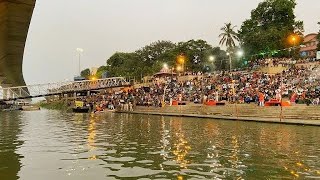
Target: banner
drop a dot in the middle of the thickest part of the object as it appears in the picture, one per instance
(318, 55)
(79, 104)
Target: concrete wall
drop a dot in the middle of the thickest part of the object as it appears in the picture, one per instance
(15, 17)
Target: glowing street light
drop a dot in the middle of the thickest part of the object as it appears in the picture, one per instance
(230, 65)
(181, 59)
(179, 68)
(240, 53)
(211, 58)
(293, 38)
(165, 66)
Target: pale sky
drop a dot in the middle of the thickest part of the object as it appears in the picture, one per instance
(102, 27)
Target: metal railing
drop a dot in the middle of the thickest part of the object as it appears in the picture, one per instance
(41, 90)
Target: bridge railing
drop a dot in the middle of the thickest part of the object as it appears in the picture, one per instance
(40, 90)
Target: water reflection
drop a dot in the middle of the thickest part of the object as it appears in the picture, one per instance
(54, 145)
(92, 136)
(10, 160)
(181, 150)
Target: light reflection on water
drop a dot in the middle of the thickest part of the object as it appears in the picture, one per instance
(55, 145)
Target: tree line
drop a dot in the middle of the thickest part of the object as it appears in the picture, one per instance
(268, 32)
(151, 58)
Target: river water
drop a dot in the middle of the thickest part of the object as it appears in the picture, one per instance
(53, 145)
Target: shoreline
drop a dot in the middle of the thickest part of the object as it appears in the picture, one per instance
(219, 114)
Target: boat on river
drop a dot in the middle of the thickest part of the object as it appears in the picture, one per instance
(80, 108)
(30, 108)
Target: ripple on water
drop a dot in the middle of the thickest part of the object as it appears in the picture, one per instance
(145, 161)
(120, 159)
(118, 147)
(134, 172)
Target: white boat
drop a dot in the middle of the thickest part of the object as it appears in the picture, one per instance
(30, 108)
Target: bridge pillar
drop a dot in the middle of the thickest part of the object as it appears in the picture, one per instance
(11, 95)
(60, 96)
(5, 94)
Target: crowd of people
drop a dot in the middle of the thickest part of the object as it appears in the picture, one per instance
(271, 62)
(275, 62)
(296, 84)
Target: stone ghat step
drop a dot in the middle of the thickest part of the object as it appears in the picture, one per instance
(298, 108)
(233, 113)
(242, 110)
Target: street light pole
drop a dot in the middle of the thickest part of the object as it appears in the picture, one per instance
(294, 47)
(79, 50)
(79, 64)
(230, 65)
(211, 59)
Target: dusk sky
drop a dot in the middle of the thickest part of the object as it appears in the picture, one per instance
(102, 27)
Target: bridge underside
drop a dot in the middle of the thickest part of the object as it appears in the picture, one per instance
(15, 17)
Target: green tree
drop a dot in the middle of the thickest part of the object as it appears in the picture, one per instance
(196, 52)
(152, 53)
(85, 73)
(220, 59)
(228, 36)
(101, 70)
(150, 59)
(269, 27)
(123, 64)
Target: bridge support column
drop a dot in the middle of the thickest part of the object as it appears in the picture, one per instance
(11, 94)
(5, 94)
(60, 96)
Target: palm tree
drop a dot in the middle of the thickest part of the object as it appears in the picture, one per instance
(228, 36)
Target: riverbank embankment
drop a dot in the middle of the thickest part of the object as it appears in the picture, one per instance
(55, 105)
(298, 115)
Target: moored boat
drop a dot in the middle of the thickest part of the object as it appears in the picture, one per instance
(30, 108)
(80, 107)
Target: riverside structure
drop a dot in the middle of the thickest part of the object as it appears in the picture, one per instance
(240, 91)
(15, 17)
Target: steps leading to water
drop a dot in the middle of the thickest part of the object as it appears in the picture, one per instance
(243, 110)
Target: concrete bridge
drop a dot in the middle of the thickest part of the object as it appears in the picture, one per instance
(59, 88)
(15, 17)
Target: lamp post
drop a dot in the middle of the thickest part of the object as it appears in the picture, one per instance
(165, 66)
(181, 61)
(230, 65)
(79, 50)
(294, 39)
(240, 53)
(211, 59)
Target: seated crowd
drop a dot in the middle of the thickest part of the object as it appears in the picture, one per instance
(298, 85)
